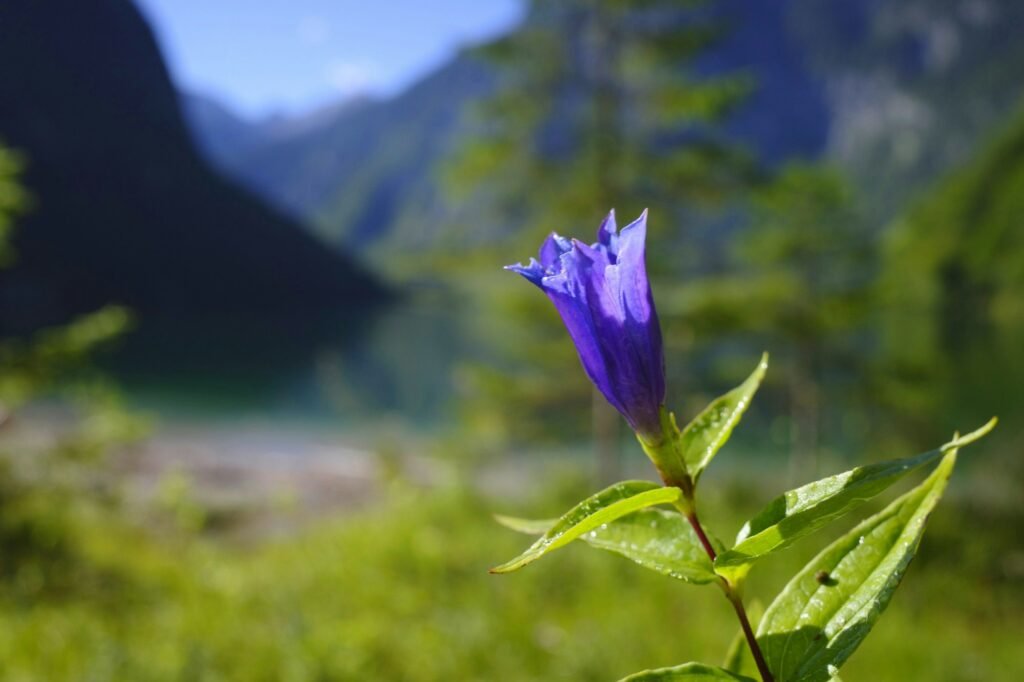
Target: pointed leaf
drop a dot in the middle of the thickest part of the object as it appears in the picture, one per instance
(824, 613)
(654, 538)
(707, 433)
(526, 526)
(689, 672)
(659, 540)
(604, 507)
(804, 510)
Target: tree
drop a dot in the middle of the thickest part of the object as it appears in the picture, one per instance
(47, 491)
(800, 281)
(952, 309)
(600, 106)
(12, 199)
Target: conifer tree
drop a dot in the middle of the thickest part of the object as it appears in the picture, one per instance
(601, 105)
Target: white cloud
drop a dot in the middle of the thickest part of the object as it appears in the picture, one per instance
(352, 76)
(313, 31)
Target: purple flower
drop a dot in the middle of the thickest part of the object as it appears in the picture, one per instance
(602, 293)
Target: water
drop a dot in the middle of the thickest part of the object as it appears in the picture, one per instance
(348, 372)
(389, 379)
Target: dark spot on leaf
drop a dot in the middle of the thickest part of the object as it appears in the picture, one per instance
(824, 578)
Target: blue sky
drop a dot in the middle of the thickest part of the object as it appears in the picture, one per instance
(273, 56)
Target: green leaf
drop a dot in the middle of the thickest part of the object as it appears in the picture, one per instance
(689, 672)
(526, 526)
(660, 540)
(702, 438)
(804, 510)
(592, 513)
(824, 613)
(738, 658)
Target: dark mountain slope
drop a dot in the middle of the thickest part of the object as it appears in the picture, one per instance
(125, 210)
(787, 113)
(217, 131)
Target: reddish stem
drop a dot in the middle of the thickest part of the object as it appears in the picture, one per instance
(734, 599)
(748, 632)
(699, 530)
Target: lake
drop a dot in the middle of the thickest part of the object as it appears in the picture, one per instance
(347, 372)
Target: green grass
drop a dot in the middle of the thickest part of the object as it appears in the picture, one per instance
(400, 591)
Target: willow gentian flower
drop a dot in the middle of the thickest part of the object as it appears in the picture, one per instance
(603, 295)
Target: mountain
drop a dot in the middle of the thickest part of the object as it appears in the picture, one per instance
(217, 131)
(372, 178)
(124, 208)
(225, 137)
(894, 93)
(367, 172)
(913, 87)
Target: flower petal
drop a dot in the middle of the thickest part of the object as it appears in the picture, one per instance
(533, 271)
(602, 293)
(552, 249)
(607, 233)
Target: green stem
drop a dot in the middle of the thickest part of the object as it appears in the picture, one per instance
(663, 450)
(671, 464)
(732, 595)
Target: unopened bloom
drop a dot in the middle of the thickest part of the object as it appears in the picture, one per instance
(603, 295)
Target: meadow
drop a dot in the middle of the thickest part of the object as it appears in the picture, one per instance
(399, 590)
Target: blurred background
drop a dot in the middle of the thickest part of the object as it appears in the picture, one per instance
(263, 380)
